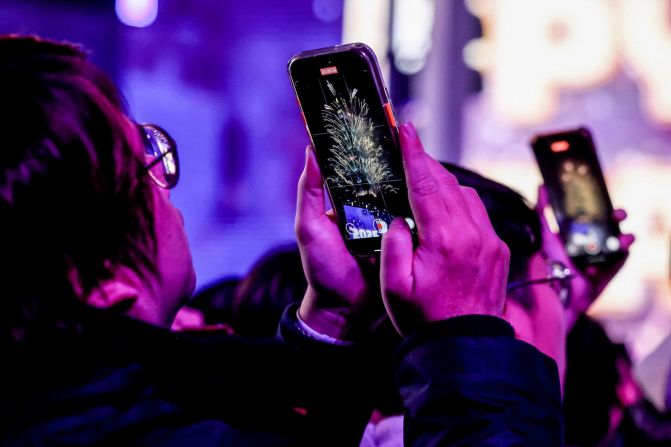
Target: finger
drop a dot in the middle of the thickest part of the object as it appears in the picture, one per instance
(310, 202)
(450, 191)
(476, 208)
(310, 188)
(396, 259)
(619, 215)
(546, 229)
(626, 241)
(423, 189)
(543, 199)
(541, 204)
(552, 244)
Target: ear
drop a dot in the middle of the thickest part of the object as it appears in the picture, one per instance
(113, 293)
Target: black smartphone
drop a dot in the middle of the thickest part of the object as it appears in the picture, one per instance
(351, 123)
(578, 195)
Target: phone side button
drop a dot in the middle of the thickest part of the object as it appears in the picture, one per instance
(390, 114)
(304, 120)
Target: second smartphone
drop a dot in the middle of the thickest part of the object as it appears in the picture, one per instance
(350, 120)
(577, 190)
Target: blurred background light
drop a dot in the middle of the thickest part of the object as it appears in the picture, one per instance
(646, 46)
(367, 21)
(137, 13)
(327, 10)
(412, 30)
(531, 50)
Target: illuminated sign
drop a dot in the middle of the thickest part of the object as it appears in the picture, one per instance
(531, 50)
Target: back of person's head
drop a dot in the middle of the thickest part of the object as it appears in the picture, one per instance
(74, 198)
(275, 281)
(514, 221)
(215, 301)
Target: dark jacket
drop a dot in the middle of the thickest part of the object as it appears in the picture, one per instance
(467, 381)
(120, 382)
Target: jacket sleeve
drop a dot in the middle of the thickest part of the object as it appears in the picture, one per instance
(467, 381)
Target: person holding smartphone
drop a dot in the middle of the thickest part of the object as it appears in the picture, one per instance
(439, 256)
(95, 264)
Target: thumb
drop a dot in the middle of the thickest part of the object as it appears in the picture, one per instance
(310, 207)
(396, 259)
(541, 204)
(396, 277)
(543, 199)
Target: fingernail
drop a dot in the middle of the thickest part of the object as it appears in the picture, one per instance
(410, 130)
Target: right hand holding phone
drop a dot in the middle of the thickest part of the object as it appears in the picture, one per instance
(459, 267)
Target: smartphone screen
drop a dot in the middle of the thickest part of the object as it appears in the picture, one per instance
(353, 130)
(578, 195)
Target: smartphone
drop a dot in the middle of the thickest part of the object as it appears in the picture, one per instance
(578, 195)
(351, 123)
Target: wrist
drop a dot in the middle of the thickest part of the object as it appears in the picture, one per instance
(319, 336)
(335, 322)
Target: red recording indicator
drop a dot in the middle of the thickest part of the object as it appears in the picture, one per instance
(328, 70)
(559, 146)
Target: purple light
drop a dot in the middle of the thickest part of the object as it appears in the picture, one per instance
(138, 13)
(327, 10)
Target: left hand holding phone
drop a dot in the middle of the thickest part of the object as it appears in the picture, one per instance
(342, 298)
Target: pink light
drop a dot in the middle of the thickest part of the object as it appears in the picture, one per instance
(138, 13)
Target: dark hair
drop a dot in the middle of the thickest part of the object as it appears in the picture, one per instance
(215, 301)
(514, 221)
(274, 281)
(74, 197)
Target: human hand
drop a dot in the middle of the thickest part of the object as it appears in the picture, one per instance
(586, 285)
(342, 289)
(459, 266)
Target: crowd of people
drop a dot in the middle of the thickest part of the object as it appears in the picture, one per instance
(475, 335)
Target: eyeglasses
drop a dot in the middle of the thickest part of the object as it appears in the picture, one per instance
(161, 155)
(559, 278)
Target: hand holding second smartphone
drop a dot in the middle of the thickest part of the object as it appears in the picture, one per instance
(579, 197)
(589, 241)
(588, 283)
